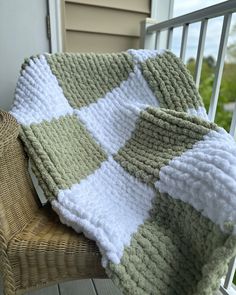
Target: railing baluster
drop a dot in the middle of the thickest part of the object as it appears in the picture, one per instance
(200, 51)
(157, 40)
(219, 66)
(184, 42)
(233, 124)
(230, 273)
(169, 38)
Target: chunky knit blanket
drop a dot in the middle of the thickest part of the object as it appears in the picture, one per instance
(122, 147)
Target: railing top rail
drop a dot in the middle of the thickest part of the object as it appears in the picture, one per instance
(196, 16)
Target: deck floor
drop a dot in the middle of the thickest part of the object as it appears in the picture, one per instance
(79, 287)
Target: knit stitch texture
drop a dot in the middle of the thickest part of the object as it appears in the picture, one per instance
(123, 149)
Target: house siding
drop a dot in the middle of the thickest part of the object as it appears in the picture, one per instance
(103, 25)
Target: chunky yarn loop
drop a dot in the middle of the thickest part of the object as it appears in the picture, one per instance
(123, 149)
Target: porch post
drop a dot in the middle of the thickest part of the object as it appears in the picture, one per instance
(161, 11)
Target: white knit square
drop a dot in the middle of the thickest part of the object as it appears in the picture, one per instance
(38, 96)
(112, 118)
(107, 206)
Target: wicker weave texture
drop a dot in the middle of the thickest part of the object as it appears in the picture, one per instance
(36, 249)
(46, 251)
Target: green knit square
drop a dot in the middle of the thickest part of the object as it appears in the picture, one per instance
(171, 82)
(159, 136)
(63, 151)
(87, 77)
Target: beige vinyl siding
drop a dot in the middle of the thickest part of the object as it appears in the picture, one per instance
(103, 25)
(131, 5)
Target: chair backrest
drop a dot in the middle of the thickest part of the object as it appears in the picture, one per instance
(18, 200)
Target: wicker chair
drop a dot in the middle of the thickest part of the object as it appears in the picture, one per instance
(36, 249)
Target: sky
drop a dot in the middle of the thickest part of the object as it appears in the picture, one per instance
(213, 32)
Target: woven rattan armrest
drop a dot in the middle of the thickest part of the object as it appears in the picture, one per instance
(9, 130)
(18, 203)
(18, 199)
(36, 249)
(47, 252)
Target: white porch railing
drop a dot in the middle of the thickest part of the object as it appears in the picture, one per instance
(151, 38)
(151, 32)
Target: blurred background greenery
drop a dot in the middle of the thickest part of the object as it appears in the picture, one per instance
(227, 97)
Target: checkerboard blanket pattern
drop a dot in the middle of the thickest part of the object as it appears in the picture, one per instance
(122, 147)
